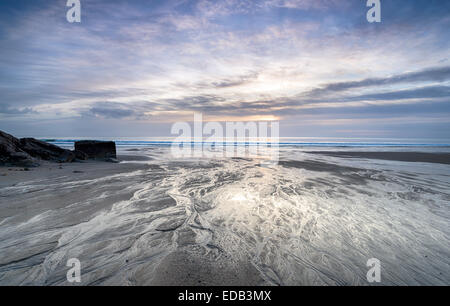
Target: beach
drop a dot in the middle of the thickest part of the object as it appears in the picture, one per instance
(314, 218)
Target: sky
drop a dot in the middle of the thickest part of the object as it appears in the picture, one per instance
(133, 68)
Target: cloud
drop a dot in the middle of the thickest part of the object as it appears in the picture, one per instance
(115, 113)
(235, 82)
(416, 93)
(436, 74)
(213, 8)
(8, 110)
(229, 57)
(111, 110)
(305, 4)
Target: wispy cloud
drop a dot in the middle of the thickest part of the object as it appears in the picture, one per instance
(437, 74)
(157, 61)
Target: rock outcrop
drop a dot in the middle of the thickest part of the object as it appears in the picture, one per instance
(46, 151)
(27, 152)
(105, 150)
(11, 153)
(81, 155)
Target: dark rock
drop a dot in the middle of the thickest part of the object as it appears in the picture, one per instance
(27, 151)
(46, 151)
(81, 155)
(97, 149)
(66, 157)
(11, 153)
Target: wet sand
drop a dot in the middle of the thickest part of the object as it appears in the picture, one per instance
(310, 220)
(437, 158)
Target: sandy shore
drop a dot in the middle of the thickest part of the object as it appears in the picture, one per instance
(51, 195)
(9, 176)
(436, 158)
(311, 219)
